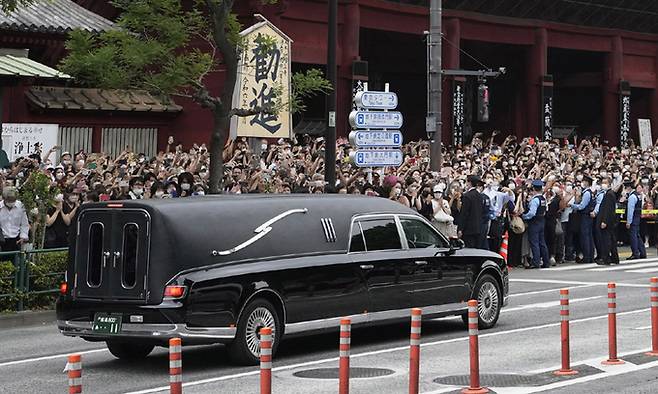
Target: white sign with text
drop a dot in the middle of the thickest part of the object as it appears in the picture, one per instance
(24, 139)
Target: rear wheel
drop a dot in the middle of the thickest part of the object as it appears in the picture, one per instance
(245, 348)
(129, 350)
(487, 294)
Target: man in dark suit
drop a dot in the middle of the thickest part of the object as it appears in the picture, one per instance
(606, 223)
(469, 227)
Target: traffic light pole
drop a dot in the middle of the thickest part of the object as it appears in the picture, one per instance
(330, 136)
(433, 123)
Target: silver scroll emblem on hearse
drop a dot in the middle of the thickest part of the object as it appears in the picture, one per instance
(260, 231)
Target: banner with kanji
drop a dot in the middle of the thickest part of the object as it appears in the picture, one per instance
(24, 139)
(263, 81)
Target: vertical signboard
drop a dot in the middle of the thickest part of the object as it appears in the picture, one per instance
(263, 81)
(624, 113)
(646, 139)
(24, 139)
(458, 112)
(547, 108)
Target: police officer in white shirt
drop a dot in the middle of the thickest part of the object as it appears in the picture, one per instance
(13, 221)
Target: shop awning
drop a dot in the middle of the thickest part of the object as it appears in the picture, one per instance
(17, 66)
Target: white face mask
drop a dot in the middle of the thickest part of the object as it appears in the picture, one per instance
(185, 186)
(263, 147)
(138, 191)
(605, 186)
(569, 189)
(159, 193)
(579, 177)
(512, 186)
(59, 176)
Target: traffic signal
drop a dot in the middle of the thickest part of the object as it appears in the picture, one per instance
(483, 103)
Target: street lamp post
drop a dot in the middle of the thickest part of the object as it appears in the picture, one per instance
(433, 123)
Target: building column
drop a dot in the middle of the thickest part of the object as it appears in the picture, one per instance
(537, 68)
(349, 52)
(451, 61)
(612, 76)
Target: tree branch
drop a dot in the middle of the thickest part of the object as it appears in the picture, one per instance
(244, 112)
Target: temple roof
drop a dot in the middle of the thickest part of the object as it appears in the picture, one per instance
(54, 16)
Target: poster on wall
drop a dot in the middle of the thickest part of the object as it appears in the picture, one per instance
(457, 112)
(24, 139)
(644, 126)
(263, 81)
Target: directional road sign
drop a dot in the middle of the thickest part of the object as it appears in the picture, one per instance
(371, 120)
(376, 138)
(377, 158)
(376, 100)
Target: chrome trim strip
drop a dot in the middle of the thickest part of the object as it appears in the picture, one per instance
(327, 237)
(260, 231)
(371, 317)
(332, 230)
(152, 331)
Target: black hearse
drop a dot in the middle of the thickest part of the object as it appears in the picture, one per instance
(217, 269)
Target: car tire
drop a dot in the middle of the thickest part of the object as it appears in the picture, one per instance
(245, 348)
(487, 293)
(129, 350)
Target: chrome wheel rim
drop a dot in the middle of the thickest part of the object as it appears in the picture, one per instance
(487, 302)
(259, 318)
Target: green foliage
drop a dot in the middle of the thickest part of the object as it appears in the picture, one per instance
(150, 52)
(306, 85)
(7, 272)
(8, 6)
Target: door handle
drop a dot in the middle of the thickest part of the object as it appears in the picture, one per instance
(105, 256)
(367, 266)
(114, 260)
(420, 262)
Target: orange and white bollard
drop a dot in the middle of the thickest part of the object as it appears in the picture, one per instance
(265, 360)
(344, 356)
(473, 322)
(654, 317)
(612, 327)
(504, 245)
(175, 366)
(74, 371)
(414, 350)
(564, 325)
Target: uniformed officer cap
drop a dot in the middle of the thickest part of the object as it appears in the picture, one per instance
(628, 183)
(587, 178)
(537, 184)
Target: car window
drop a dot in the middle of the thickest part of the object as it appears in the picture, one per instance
(356, 244)
(421, 235)
(381, 234)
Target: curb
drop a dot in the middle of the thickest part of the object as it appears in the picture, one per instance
(26, 319)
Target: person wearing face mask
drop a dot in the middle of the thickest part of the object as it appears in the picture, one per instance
(585, 208)
(606, 223)
(136, 189)
(469, 226)
(554, 239)
(499, 200)
(13, 221)
(633, 215)
(158, 190)
(56, 228)
(185, 181)
(535, 217)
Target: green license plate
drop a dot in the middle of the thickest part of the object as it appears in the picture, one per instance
(107, 323)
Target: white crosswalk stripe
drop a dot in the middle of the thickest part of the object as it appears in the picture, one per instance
(625, 266)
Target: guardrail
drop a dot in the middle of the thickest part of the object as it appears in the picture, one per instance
(25, 281)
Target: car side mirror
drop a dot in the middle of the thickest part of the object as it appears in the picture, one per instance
(456, 243)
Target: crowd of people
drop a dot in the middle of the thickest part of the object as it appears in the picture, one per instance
(554, 201)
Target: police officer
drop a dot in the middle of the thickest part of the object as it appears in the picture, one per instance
(536, 222)
(633, 213)
(606, 223)
(596, 230)
(469, 225)
(585, 208)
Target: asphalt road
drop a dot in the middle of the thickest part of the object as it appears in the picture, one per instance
(517, 356)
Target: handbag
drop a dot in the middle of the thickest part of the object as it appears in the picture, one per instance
(517, 225)
(442, 217)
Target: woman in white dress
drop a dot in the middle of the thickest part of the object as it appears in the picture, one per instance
(442, 219)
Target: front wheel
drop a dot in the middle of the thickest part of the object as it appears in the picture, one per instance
(129, 351)
(245, 348)
(487, 294)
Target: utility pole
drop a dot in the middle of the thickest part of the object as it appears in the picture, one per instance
(330, 135)
(433, 124)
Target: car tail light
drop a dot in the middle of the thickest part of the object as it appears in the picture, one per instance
(63, 288)
(174, 291)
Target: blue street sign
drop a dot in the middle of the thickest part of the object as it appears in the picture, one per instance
(376, 138)
(376, 100)
(376, 119)
(377, 158)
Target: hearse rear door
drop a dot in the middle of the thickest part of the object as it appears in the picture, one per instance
(112, 254)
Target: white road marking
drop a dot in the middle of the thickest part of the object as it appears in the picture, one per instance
(622, 267)
(548, 291)
(548, 304)
(594, 267)
(383, 351)
(51, 357)
(642, 328)
(574, 282)
(572, 267)
(644, 271)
